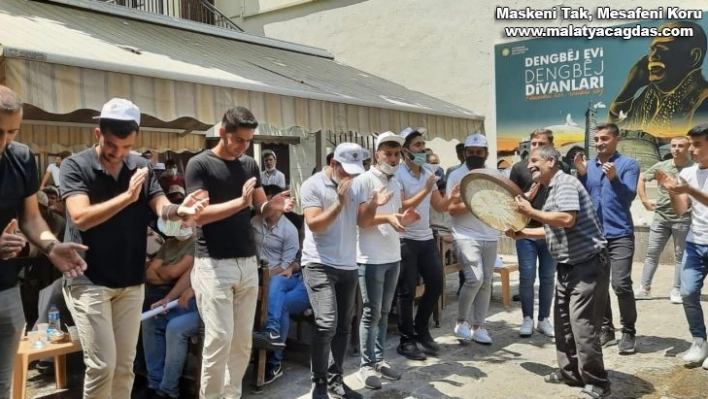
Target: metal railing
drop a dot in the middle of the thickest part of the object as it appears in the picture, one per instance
(202, 11)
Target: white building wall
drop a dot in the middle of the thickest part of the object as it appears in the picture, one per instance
(444, 48)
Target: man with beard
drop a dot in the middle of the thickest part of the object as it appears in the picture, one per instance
(476, 248)
(18, 203)
(666, 221)
(611, 179)
(419, 251)
(530, 250)
(575, 240)
(108, 192)
(270, 175)
(378, 257)
(674, 89)
(53, 171)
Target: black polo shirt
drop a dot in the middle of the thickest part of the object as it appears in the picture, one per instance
(230, 237)
(18, 180)
(118, 246)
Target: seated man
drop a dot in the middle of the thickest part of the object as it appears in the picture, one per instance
(167, 280)
(277, 241)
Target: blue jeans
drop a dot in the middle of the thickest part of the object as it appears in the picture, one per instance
(12, 319)
(173, 331)
(693, 272)
(527, 252)
(378, 286)
(286, 296)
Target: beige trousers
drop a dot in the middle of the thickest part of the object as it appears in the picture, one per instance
(226, 291)
(108, 320)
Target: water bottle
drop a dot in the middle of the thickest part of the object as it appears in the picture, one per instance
(54, 319)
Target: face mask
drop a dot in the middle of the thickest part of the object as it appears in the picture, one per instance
(432, 167)
(419, 159)
(184, 234)
(388, 169)
(270, 169)
(474, 162)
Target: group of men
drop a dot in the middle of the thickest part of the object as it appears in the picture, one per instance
(582, 233)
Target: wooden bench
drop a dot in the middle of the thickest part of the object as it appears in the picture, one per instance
(26, 354)
(196, 343)
(451, 265)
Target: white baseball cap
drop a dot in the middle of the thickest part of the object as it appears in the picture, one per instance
(120, 109)
(476, 139)
(409, 130)
(388, 137)
(352, 157)
(159, 166)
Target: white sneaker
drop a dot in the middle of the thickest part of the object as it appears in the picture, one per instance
(675, 296)
(698, 352)
(462, 331)
(481, 335)
(546, 328)
(642, 293)
(526, 327)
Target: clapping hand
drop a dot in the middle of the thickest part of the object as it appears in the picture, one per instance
(10, 243)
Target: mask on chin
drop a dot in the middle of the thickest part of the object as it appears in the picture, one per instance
(270, 169)
(474, 162)
(388, 169)
(184, 234)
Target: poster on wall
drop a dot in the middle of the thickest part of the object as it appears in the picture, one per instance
(654, 88)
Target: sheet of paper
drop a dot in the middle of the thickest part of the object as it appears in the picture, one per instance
(158, 310)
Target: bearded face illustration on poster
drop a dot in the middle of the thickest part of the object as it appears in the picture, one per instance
(674, 91)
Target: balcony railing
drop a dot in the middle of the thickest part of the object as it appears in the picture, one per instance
(202, 11)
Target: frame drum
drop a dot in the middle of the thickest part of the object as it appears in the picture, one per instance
(489, 196)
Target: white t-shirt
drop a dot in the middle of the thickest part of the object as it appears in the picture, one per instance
(54, 170)
(379, 244)
(336, 246)
(411, 185)
(465, 225)
(696, 177)
(276, 178)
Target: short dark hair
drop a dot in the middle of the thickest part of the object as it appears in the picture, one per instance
(10, 102)
(170, 163)
(64, 155)
(460, 148)
(410, 138)
(546, 132)
(329, 157)
(612, 127)
(699, 130)
(120, 129)
(238, 117)
(272, 189)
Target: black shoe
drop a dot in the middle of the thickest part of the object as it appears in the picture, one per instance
(607, 337)
(146, 393)
(338, 389)
(429, 345)
(161, 395)
(267, 340)
(319, 390)
(272, 373)
(410, 350)
(628, 344)
(516, 298)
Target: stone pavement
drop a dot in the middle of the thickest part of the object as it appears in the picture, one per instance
(512, 367)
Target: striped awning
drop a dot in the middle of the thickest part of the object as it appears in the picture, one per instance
(69, 61)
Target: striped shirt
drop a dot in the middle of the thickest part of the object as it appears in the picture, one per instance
(572, 245)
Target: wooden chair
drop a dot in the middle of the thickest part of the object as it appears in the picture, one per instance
(196, 343)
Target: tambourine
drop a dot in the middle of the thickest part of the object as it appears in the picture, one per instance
(489, 196)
